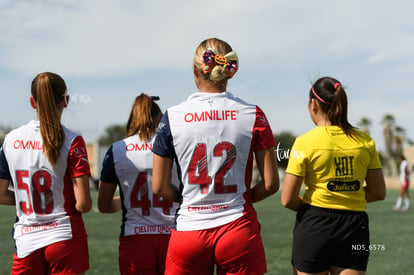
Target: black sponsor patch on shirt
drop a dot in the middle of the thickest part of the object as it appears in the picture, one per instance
(340, 186)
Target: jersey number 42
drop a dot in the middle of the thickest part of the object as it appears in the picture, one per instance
(198, 169)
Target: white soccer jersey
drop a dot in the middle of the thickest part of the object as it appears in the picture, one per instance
(129, 163)
(404, 168)
(212, 137)
(45, 200)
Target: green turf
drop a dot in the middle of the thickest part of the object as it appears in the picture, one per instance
(392, 231)
(391, 236)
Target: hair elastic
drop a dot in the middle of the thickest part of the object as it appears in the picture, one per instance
(208, 60)
(65, 100)
(318, 97)
(336, 85)
(228, 61)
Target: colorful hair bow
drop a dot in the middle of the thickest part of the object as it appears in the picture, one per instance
(229, 61)
(208, 60)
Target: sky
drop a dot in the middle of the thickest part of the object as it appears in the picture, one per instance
(110, 51)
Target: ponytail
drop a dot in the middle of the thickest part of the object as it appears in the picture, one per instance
(334, 103)
(49, 90)
(143, 117)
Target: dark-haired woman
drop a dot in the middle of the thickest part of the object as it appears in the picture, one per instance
(48, 165)
(333, 160)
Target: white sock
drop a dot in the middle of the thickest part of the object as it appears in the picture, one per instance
(398, 203)
(407, 203)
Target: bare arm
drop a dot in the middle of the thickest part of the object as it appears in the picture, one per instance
(290, 192)
(161, 174)
(82, 194)
(375, 189)
(267, 165)
(107, 203)
(6, 196)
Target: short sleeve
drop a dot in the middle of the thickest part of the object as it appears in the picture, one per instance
(297, 159)
(108, 173)
(262, 132)
(375, 160)
(163, 143)
(4, 166)
(78, 158)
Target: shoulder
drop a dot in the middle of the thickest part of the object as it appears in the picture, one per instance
(364, 138)
(240, 100)
(363, 135)
(310, 135)
(70, 134)
(32, 126)
(127, 144)
(74, 143)
(314, 139)
(127, 140)
(22, 135)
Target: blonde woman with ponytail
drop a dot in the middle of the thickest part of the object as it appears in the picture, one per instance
(48, 165)
(341, 170)
(147, 219)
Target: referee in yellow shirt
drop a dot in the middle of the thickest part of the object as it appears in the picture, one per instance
(341, 170)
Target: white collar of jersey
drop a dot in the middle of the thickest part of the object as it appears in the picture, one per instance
(34, 123)
(202, 95)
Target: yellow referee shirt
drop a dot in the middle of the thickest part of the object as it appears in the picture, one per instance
(334, 167)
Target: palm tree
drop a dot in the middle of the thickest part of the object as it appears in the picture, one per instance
(388, 122)
(365, 123)
(399, 139)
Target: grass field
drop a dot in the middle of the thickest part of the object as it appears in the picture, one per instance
(390, 230)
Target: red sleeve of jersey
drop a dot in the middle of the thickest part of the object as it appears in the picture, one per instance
(78, 158)
(262, 132)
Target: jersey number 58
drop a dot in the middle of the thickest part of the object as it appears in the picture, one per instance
(42, 194)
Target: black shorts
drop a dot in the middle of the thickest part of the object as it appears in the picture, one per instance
(323, 238)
